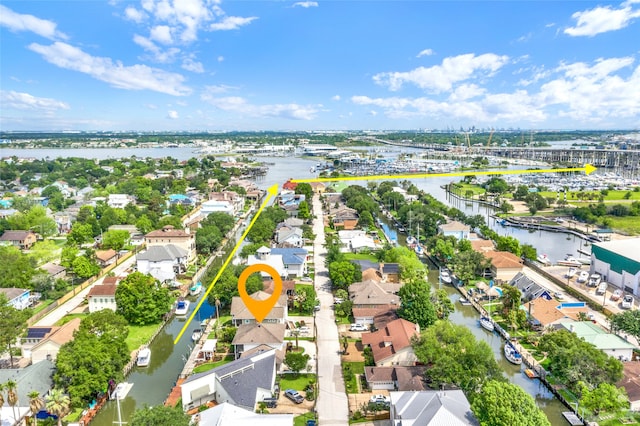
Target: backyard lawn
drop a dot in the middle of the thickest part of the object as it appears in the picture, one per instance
(211, 365)
(302, 420)
(139, 335)
(361, 256)
(351, 371)
(295, 381)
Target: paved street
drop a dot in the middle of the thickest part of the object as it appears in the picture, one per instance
(75, 301)
(332, 406)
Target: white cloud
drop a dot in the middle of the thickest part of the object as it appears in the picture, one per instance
(231, 23)
(220, 58)
(602, 19)
(172, 115)
(240, 105)
(209, 91)
(193, 66)
(440, 78)
(25, 101)
(158, 54)
(151, 106)
(135, 15)
(22, 22)
(425, 52)
(335, 98)
(134, 77)
(466, 91)
(306, 4)
(162, 34)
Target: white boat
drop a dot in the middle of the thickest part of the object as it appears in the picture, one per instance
(445, 277)
(196, 335)
(419, 250)
(464, 301)
(512, 355)
(487, 324)
(544, 259)
(144, 357)
(570, 261)
(571, 272)
(121, 391)
(411, 240)
(182, 307)
(195, 289)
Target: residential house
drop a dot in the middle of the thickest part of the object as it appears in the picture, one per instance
(396, 378)
(63, 221)
(530, 289)
(410, 198)
(55, 271)
(162, 262)
(371, 298)
(255, 334)
(36, 377)
(291, 236)
(345, 218)
(455, 229)
(19, 298)
(631, 384)
(228, 202)
(227, 414)
(181, 200)
(611, 344)
(119, 201)
(355, 241)
(388, 272)
(21, 239)
(48, 348)
(544, 313)
(178, 237)
(5, 213)
(431, 408)
(106, 257)
(482, 246)
(293, 222)
(242, 382)
(289, 262)
(318, 187)
(504, 265)
(289, 185)
(102, 296)
(240, 314)
(391, 345)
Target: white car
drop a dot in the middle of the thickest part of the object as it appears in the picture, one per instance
(358, 327)
(602, 288)
(583, 277)
(594, 280)
(558, 295)
(381, 399)
(627, 302)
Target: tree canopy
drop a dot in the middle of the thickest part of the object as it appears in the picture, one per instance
(344, 273)
(141, 299)
(160, 416)
(16, 268)
(12, 324)
(416, 305)
(628, 322)
(506, 404)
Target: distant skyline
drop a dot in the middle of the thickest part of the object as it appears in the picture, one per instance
(209, 65)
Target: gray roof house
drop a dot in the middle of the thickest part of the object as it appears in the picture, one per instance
(431, 408)
(242, 382)
(162, 262)
(36, 377)
(530, 289)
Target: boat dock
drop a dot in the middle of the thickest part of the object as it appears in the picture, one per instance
(572, 418)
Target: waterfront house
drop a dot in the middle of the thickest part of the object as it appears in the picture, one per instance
(543, 312)
(387, 272)
(345, 218)
(611, 344)
(178, 237)
(35, 377)
(289, 235)
(455, 229)
(227, 414)
(243, 383)
(162, 262)
(355, 241)
(397, 378)
(391, 345)
(19, 298)
(431, 408)
(504, 265)
(530, 289)
(371, 298)
(240, 314)
(287, 261)
(48, 348)
(102, 296)
(249, 336)
(21, 239)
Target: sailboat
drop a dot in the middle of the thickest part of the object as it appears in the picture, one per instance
(119, 393)
(418, 249)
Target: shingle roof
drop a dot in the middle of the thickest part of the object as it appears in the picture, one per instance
(389, 340)
(12, 292)
(406, 378)
(372, 293)
(433, 408)
(160, 253)
(256, 333)
(454, 226)
(102, 290)
(168, 231)
(503, 259)
(14, 235)
(239, 309)
(36, 377)
(105, 255)
(291, 256)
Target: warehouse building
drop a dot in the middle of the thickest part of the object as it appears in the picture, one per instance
(619, 263)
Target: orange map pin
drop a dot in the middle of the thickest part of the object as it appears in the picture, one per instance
(259, 308)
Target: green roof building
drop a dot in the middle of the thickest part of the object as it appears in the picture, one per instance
(611, 344)
(619, 263)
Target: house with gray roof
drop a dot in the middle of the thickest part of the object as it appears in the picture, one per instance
(530, 289)
(289, 235)
(163, 262)
(287, 261)
(229, 415)
(431, 408)
(35, 377)
(256, 334)
(242, 382)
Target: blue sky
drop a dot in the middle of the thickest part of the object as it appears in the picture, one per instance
(196, 65)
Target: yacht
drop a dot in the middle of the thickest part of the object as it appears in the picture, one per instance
(144, 357)
(512, 355)
(445, 277)
(487, 324)
(182, 307)
(195, 289)
(196, 335)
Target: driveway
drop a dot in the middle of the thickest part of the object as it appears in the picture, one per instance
(332, 405)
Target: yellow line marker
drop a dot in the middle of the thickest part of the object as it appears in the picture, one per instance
(588, 169)
(271, 192)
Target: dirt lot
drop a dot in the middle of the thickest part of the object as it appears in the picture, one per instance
(357, 400)
(354, 352)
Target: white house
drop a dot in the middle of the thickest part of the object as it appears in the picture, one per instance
(102, 296)
(252, 335)
(227, 414)
(119, 201)
(289, 235)
(162, 262)
(611, 344)
(354, 241)
(431, 408)
(289, 262)
(17, 297)
(455, 229)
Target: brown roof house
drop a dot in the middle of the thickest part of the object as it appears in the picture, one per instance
(102, 296)
(241, 315)
(178, 237)
(631, 383)
(504, 265)
(391, 345)
(49, 347)
(255, 334)
(106, 257)
(21, 239)
(544, 313)
(371, 298)
(396, 378)
(345, 218)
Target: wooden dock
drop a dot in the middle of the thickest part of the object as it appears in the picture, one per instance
(572, 418)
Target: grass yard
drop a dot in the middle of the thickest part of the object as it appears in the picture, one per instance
(295, 381)
(462, 188)
(302, 419)
(139, 335)
(65, 319)
(361, 256)
(628, 224)
(211, 365)
(351, 371)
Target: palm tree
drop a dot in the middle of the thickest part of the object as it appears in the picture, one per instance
(12, 396)
(58, 403)
(36, 403)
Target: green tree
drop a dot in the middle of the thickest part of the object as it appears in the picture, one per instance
(160, 416)
(208, 239)
(497, 185)
(529, 252)
(344, 273)
(141, 299)
(506, 404)
(303, 210)
(144, 224)
(12, 324)
(16, 268)
(44, 251)
(511, 297)
(304, 188)
(455, 357)
(80, 233)
(365, 220)
(68, 255)
(306, 298)
(84, 268)
(411, 268)
(12, 396)
(223, 221)
(416, 305)
(115, 239)
(296, 361)
(58, 403)
(469, 264)
(628, 322)
(36, 403)
(442, 303)
(605, 398)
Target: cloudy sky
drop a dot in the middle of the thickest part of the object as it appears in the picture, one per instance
(310, 65)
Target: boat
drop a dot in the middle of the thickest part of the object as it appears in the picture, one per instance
(182, 306)
(144, 357)
(411, 240)
(419, 251)
(531, 373)
(195, 289)
(121, 391)
(571, 272)
(512, 355)
(464, 301)
(569, 260)
(445, 277)
(544, 259)
(487, 324)
(196, 335)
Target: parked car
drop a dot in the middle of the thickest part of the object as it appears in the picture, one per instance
(583, 277)
(616, 295)
(317, 307)
(627, 302)
(602, 288)
(311, 423)
(338, 300)
(379, 399)
(358, 327)
(558, 295)
(306, 279)
(294, 396)
(594, 280)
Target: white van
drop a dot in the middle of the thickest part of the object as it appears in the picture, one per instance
(602, 288)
